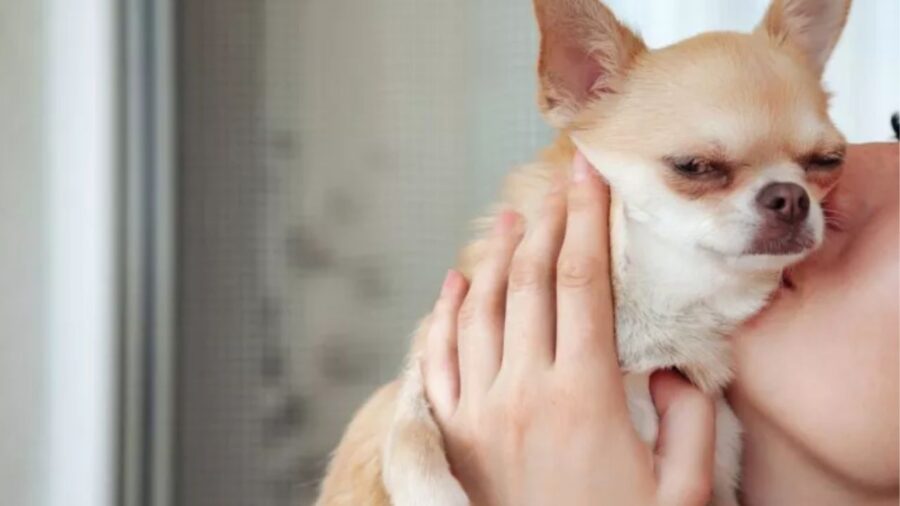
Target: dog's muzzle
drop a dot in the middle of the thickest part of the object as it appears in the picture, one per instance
(784, 208)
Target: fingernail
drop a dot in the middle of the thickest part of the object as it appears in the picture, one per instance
(450, 281)
(505, 222)
(580, 168)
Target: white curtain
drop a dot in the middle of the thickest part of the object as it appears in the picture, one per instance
(864, 71)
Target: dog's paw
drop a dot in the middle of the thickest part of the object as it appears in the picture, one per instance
(441, 490)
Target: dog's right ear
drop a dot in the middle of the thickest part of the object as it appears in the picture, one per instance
(811, 26)
(585, 52)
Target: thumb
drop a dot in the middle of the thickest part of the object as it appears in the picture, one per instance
(685, 447)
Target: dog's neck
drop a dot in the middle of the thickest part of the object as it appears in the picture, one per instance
(675, 304)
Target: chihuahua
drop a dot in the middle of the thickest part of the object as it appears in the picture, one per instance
(710, 205)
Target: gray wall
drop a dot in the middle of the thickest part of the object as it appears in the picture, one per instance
(389, 125)
(22, 428)
(333, 153)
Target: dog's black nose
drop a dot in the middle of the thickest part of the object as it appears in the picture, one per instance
(786, 201)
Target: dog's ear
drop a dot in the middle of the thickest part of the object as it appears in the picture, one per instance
(585, 51)
(811, 26)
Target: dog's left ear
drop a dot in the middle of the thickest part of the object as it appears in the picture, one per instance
(811, 26)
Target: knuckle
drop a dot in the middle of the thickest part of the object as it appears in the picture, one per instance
(583, 202)
(517, 401)
(577, 270)
(525, 273)
(479, 312)
(554, 206)
(513, 423)
(467, 443)
(479, 425)
(468, 315)
(569, 416)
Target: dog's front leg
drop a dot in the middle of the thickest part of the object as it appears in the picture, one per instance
(416, 471)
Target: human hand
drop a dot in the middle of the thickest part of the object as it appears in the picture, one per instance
(521, 371)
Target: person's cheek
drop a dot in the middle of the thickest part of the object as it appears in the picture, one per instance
(821, 363)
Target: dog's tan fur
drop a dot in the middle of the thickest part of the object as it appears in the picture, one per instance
(671, 104)
(354, 475)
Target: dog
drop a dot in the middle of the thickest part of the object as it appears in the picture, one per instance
(709, 206)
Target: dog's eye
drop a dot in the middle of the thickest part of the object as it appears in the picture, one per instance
(824, 162)
(694, 167)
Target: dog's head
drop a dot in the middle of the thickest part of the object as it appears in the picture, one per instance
(720, 142)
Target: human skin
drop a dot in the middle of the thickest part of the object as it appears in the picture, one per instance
(816, 385)
(522, 373)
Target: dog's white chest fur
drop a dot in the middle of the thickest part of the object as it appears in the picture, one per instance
(669, 313)
(675, 307)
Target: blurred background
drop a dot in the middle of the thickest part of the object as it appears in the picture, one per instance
(221, 219)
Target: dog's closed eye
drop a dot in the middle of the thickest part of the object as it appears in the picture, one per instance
(823, 161)
(697, 167)
(696, 176)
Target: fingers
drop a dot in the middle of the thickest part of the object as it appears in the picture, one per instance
(686, 443)
(441, 370)
(530, 327)
(480, 320)
(584, 299)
